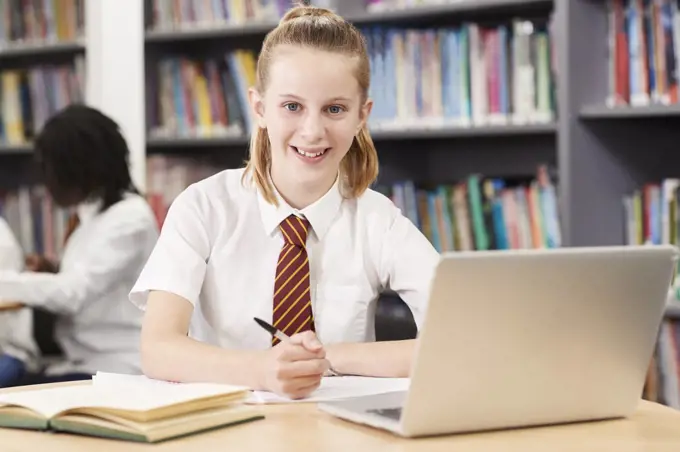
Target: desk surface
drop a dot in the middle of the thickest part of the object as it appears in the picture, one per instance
(301, 427)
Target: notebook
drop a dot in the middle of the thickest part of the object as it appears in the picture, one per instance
(133, 412)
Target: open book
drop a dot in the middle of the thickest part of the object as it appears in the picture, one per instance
(144, 413)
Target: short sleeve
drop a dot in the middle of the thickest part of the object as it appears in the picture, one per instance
(177, 263)
(407, 263)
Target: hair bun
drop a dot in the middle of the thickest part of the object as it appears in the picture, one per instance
(303, 10)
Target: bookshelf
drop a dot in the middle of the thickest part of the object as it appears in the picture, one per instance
(38, 48)
(432, 155)
(377, 136)
(24, 149)
(41, 70)
(600, 112)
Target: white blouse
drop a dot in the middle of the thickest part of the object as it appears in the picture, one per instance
(97, 328)
(220, 244)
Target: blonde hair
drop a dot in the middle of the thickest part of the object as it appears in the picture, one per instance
(321, 29)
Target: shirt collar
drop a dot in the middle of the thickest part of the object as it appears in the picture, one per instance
(320, 214)
(88, 209)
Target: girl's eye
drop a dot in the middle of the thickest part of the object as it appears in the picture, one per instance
(291, 106)
(335, 109)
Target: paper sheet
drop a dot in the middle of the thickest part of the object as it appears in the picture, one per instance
(336, 388)
(332, 388)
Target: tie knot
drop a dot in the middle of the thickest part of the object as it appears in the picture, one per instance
(295, 230)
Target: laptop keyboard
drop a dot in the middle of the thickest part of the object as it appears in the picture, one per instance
(392, 413)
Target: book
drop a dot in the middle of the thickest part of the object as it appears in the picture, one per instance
(127, 411)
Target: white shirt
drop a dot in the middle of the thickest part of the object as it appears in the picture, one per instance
(16, 327)
(97, 329)
(220, 244)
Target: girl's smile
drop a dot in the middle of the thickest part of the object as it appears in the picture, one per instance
(310, 154)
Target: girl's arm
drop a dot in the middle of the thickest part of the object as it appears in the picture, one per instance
(109, 255)
(168, 353)
(376, 359)
(293, 369)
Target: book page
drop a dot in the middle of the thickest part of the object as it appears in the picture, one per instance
(335, 388)
(48, 402)
(125, 395)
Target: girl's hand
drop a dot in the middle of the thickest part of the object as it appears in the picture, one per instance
(294, 368)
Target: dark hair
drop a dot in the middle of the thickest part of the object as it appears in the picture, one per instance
(83, 155)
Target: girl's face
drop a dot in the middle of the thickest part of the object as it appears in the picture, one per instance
(312, 110)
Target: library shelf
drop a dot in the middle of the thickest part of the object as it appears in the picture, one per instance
(209, 32)
(184, 142)
(401, 15)
(6, 149)
(593, 112)
(425, 12)
(673, 310)
(38, 48)
(377, 135)
(464, 132)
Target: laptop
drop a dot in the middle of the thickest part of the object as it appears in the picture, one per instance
(526, 338)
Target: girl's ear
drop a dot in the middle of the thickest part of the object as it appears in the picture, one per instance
(364, 114)
(257, 106)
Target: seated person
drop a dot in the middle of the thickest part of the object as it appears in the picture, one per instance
(18, 350)
(296, 238)
(83, 159)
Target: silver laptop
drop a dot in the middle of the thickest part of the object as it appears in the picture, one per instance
(526, 338)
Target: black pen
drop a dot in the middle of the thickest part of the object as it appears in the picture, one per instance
(280, 335)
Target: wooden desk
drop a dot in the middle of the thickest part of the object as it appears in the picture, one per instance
(301, 427)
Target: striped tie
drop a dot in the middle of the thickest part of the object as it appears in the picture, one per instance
(292, 300)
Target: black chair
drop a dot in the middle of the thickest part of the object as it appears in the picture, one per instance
(393, 319)
(43, 332)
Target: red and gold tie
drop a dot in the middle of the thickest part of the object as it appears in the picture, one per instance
(292, 300)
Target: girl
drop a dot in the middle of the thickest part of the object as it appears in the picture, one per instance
(83, 158)
(296, 238)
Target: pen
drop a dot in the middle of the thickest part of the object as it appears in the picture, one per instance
(280, 335)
